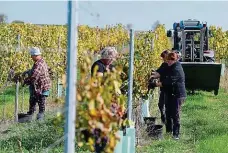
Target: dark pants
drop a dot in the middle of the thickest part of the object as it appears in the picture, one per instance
(161, 103)
(40, 99)
(173, 108)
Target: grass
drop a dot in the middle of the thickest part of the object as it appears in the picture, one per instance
(204, 130)
(204, 125)
(34, 137)
(7, 101)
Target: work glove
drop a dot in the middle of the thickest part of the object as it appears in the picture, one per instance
(26, 82)
(155, 75)
(26, 72)
(152, 83)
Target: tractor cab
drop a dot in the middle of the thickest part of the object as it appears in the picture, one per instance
(190, 37)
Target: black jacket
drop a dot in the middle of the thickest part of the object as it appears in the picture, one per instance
(101, 67)
(161, 71)
(174, 81)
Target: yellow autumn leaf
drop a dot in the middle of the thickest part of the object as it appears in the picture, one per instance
(112, 142)
(79, 97)
(80, 144)
(116, 86)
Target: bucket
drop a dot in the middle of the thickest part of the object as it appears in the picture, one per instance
(157, 132)
(22, 118)
(149, 120)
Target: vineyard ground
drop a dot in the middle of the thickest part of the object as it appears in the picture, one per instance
(7, 102)
(204, 127)
(204, 130)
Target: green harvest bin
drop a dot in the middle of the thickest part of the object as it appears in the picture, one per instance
(202, 76)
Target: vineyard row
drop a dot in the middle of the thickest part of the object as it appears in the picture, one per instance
(148, 45)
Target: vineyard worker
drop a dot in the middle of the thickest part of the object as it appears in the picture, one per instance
(99, 68)
(39, 83)
(108, 56)
(161, 103)
(174, 86)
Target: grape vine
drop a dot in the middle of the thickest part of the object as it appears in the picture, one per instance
(94, 101)
(219, 42)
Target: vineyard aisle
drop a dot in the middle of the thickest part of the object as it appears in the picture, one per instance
(204, 127)
(204, 130)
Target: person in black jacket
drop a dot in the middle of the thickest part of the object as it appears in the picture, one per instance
(174, 86)
(99, 68)
(161, 103)
(108, 56)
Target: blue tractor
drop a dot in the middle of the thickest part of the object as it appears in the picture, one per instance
(190, 38)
